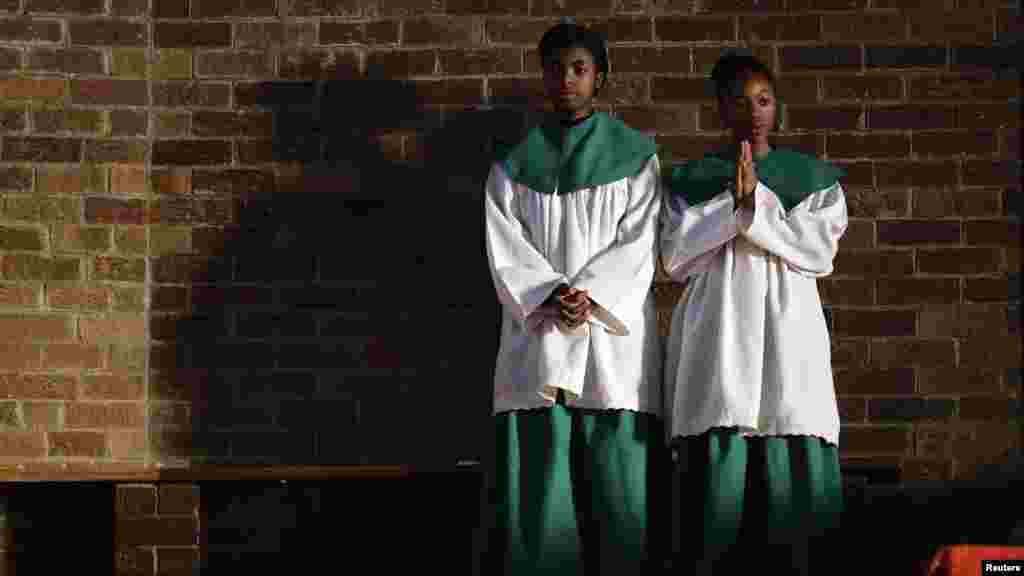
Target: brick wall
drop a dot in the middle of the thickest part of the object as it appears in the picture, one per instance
(250, 232)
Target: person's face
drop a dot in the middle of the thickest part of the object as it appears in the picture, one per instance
(571, 79)
(750, 113)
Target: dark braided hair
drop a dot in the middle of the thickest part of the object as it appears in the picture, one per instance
(570, 35)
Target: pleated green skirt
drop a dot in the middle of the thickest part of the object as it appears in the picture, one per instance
(768, 504)
(573, 491)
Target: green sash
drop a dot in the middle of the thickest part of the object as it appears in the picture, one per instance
(792, 175)
(600, 150)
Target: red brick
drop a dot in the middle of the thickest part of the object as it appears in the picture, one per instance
(990, 408)
(962, 87)
(868, 145)
(680, 89)
(172, 181)
(191, 152)
(190, 94)
(136, 500)
(247, 64)
(938, 203)
(877, 440)
(259, 35)
(830, 57)
(91, 444)
(130, 240)
(842, 292)
(964, 320)
(107, 33)
(42, 209)
(799, 27)
(20, 295)
(911, 117)
(516, 31)
(852, 409)
(381, 32)
(909, 291)
(649, 59)
(111, 387)
(990, 289)
(251, 152)
(990, 352)
(123, 151)
(232, 182)
(215, 123)
(476, 62)
(454, 91)
(35, 327)
(22, 445)
(974, 116)
(92, 415)
(401, 63)
(442, 31)
(874, 322)
(570, 8)
(78, 297)
(65, 6)
(695, 29)
(115, 211)
(172, 531)
(18, 238)
(12, 120)
(49, 90)
(664, 120)
(29, 30)
(902, 232)
(952, 26)
(129, 7)
(917, 470)
(915, 173)
(41, 149)
(233, 8)
(990, 173)
(686, 146)
(873, 87)
(48, 386)
(912, 352)
(320, 64)
(179, 499)
(73, 238)
(128, 444)
(341, 8)
(863, 26)
(67, 60)
(932, 144)
(111, 328)
(68, 120)
(59, 181)
(174, 211)
(192, 34)
(876, 381)
(958, 381)
(73, 356)
(868, 263)
(824, 118)
(109, 92)
(119, 269)
(705, 57)
(959, 261)
(42, 416)
(991, 232)
(743, 5)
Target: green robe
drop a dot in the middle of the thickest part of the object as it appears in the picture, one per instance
(791, 175)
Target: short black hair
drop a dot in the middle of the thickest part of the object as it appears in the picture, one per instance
(730, 69)
(568, 35)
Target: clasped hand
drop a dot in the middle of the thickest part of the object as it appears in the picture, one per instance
(572, 305)
(746, 177)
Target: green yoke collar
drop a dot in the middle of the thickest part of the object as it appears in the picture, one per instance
(553, 158)
(792, 175)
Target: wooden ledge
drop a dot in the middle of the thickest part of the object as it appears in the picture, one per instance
(128, 473)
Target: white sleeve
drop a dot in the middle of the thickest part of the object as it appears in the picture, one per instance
(522, 276)
(692, 235)
(617, 276)
(807, 238)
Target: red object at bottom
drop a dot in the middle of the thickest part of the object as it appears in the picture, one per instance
(965, 560)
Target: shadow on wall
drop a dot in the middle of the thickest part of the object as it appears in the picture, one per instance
(347, 317)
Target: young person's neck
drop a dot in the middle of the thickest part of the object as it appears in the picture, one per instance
(570, 118)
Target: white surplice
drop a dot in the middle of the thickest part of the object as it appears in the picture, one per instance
(749, 347)
(602, 239)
